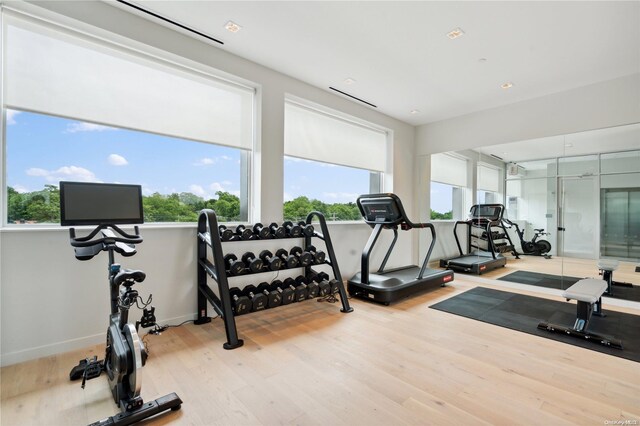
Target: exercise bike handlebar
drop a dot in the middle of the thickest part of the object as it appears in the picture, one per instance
(109, 237)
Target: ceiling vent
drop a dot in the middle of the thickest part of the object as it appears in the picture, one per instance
(352, 97)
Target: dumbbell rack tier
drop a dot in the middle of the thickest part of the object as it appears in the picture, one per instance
(208, 236)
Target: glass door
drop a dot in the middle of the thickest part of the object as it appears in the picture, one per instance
(578, 236)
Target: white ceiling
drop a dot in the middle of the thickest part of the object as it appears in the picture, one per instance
(401, 59)
(612, 139)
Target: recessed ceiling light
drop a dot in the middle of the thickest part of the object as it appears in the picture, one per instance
(232, 27)
(482, 60)
(415, 111)
(349, 80)
(507, 85)
(455, 33)
(568, 144)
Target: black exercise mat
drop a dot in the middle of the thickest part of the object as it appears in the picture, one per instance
(524, 313)
(564, 282)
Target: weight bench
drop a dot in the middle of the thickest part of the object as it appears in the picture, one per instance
(588, 293)
(606, 267)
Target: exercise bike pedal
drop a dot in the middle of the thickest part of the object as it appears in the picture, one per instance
(87, 369)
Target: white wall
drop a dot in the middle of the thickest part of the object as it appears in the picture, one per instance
(600, 105)
(52, 303)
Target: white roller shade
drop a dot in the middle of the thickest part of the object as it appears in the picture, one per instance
(64, 74)
(316, 136)
(448, 169)
(488, 178)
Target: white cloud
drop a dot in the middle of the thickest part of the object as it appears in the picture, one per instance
(71, 173)
(86, 127)
(208, 161)
(287, 196)
(11, 116)
(235, 192)
(198, 190)
(21, 189)
(117, 160)
(216, 186)
(226, 182)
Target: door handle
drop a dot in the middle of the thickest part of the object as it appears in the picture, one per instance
(560, 228)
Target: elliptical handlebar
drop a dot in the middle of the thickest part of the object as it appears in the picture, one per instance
(90, 240)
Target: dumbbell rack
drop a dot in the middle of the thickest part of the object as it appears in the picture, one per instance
(208, 236)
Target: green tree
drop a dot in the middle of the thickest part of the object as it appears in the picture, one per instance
(298, 208)
(16, 206)
(441, 216)
(227, 206)
(43, 206)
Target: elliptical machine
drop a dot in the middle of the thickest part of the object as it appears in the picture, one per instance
(535, 247)
(105, 205)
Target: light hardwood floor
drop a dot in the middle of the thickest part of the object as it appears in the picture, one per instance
(309, 364)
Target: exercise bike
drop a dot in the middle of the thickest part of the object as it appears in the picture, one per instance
(125, 352)
(535, 247)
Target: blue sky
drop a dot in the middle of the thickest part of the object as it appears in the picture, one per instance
(441, 197)
(43, 149)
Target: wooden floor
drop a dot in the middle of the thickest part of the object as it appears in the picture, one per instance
(310, 364)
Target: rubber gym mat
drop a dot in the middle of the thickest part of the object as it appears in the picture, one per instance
(563, 282)
(523, 313)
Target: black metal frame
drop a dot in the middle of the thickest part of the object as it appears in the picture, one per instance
(584, 310)
(208, 221)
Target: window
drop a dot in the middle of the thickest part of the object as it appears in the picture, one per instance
(489, 179)
(79, 108)
(448, 187)
(329, 161)
(43, 150)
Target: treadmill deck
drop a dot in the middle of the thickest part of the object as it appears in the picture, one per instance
(396, 284)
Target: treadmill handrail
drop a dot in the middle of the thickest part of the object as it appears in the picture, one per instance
(405, 225)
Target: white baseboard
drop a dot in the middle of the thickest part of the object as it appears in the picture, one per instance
(70, 345)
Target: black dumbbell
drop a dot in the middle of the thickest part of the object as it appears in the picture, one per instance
(274, 297)
(243, 232)
(304, 258)
(258, 300)
(307, 228)
(261, 231)
(293, 231)
(300, 291)
(288, 294)
(288, 260)
(226, 234)
(317, 256)
(312, 286)
(334, 286)
(233, 265)
(277, 231)
(272, 262)
(239, 303)
(253, 263)
(324, 288)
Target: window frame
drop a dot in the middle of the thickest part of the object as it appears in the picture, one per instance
(249, 184)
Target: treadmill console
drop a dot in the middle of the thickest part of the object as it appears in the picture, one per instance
(381, 208)
(486, 212)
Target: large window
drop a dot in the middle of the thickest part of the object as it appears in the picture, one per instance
(43, 150)
(329, 161)
(449, 185)
(488, 185)
(80, 108)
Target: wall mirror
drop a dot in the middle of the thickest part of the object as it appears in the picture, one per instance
(579, 192)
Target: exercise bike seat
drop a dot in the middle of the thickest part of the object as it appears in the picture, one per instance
(129, 274)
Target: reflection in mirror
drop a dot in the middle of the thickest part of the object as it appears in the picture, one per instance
(586, 194)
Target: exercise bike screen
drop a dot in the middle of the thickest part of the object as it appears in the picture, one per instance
(83, 203)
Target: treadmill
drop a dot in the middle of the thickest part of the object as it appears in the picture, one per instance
(484, 228)
(385, 211)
